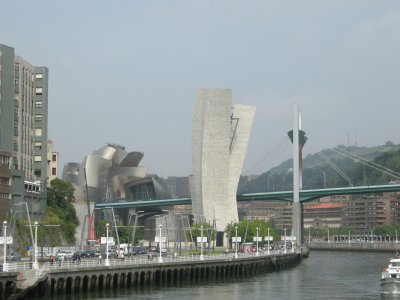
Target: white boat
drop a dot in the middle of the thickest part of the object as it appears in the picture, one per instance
(390, 278)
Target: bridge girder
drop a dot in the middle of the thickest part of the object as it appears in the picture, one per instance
(305, 195)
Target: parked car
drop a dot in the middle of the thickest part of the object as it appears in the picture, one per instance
(138, 250)
(88, 253)
(69, 254)
(14, 257)
(61, 255)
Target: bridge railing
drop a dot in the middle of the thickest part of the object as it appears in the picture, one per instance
(144, 259)
(129, 261)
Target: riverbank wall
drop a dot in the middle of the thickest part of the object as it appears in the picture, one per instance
(357, 247)
(86, 278)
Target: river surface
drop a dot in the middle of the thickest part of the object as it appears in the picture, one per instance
(324, 275)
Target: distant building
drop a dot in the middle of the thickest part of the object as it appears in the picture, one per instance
(367, 212)
(23, 128)
(178, 187)
(52, 162)
(322, 215)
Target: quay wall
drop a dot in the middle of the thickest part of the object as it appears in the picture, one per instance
(119, 275)
(359, 247)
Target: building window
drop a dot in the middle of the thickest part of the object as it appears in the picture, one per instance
(39, 91)
(38, 145)
(4, 196)
(38, 131)
(38, 118)
(54, 171)
(38, 104)
(39, 76)
(38, 158)
(54, 157)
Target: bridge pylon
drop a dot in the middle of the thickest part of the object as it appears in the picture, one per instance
(298, 139)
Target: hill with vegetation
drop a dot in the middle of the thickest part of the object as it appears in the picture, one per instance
(338, 167)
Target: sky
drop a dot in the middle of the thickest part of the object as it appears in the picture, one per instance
(128, 72)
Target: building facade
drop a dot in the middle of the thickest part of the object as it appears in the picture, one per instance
(23, 126)
(367, 212)
(52, 162)
(220, 135)
(322, 215)
(178, 187)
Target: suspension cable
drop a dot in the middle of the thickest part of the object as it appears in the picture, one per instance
(367, 162)
(344, 175)
(279, 148)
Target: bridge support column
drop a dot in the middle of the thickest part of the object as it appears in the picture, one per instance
(297, 216)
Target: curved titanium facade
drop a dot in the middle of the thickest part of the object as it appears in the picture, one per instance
(111, 173)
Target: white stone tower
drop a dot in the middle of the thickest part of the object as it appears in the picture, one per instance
(220, 136)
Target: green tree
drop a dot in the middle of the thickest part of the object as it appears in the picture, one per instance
(247, 230)
(60, 195)
(195, 231)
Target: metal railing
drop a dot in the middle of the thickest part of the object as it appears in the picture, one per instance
(145, 260)
(136, 261)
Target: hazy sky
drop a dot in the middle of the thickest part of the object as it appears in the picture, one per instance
(128, 72)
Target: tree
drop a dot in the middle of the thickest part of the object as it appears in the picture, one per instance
(60, 195)
(195, 232)
(247, 230)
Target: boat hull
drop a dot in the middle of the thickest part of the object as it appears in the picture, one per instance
(390, 285)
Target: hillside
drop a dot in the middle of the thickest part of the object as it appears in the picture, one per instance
(324, 168)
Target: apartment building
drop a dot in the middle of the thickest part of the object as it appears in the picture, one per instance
(23, 127)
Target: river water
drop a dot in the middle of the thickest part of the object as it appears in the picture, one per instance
(324, 275)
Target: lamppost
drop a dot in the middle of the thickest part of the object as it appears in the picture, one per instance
(160, 260)
(328, 236)
(107, 261)
(236, 240)
(35, 262)
(268, 241)
(396, 236)
(285, 241)
(372, 237)
(201, 243)
(134, 229)
(5, 267)
(257, 241)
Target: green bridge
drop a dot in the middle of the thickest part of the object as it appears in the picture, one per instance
(305, 195)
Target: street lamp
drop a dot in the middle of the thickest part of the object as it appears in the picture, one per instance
(160, 258)
(285, 241)
(35, 263)
(134, 228)
(107, 261)
(201, 243)
(268, 240)
(5, 267)
(257, 241)
(236, 250)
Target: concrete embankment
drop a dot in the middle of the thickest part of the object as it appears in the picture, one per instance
(131, 273)
(360, 247)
